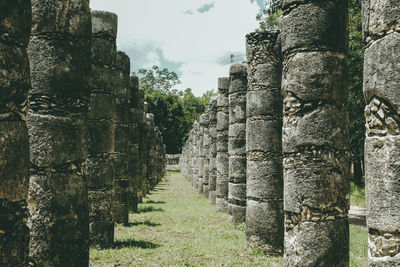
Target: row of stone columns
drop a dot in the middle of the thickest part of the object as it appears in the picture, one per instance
(282, 138)
(85, 131)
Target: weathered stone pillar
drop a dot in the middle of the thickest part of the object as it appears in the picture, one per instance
(60, 60)
(204, 188)
(264, 212)
(222, 183)
(195, 163)
(121, 178)
(381, 24)
(149, 150)
(142, 137)
(15, 29)
(101, 129)
(237, 143)
(212, 181)
(200, 155)
(315, 133)
(133, 164)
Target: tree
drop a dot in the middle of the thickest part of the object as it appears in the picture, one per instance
(174, 111)
(356, 102)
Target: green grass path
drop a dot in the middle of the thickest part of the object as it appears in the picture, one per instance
(177, 227)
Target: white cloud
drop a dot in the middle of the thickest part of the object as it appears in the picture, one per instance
(196, 41)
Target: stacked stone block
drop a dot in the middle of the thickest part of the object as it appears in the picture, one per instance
(212, 180)
(222, 182)
(15, 29)
(205, 148)
(122, 141)
(60, 60)
(101, 129)
(237, 143)
(133, 161)
(315, 133)
(264, 212)
(381, 28)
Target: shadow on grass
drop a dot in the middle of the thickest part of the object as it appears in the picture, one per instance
(149, 209)
(136, 244)
(154, 202)
(147, 223)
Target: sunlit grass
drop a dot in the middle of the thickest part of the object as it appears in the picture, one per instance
(357, 196)
(176, 226)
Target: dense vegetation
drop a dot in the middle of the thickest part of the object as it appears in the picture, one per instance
(175, 111)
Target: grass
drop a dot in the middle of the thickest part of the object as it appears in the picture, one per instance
(176, 226)
(357, 196)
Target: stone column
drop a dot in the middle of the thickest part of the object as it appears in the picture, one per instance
(381, 24)
(222, 183)
(15, 29)
(121, 178)
(264, 212)
(237, 143)
(142, 137)
(315, 133)
(60, 60)
(205, 148)
(195, 164)
(212, 181)
(200, 155)
(133, 164)
(101, 129)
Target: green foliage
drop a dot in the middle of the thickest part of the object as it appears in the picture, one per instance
(174, 111)
(357, 196)
(270, 20)
(356, 102)
(158, 79)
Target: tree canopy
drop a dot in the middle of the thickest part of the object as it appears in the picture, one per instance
(175, 111)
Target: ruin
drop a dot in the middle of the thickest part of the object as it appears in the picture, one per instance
(264, 181)
(222, 182)
(15, 29)
(212, 172)
(101, 129)
(133, 154)
(237, 143)
(205, 122)
(60, 61)
(315, 133)
(381, 29)
(122, 142)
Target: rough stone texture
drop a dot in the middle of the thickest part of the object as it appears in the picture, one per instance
(237, 143)
(264, 181)
(222, 161)
(101, 133)
(15, 28)
(381, 24)
(142, 144)
(205, 152)
(212, 177)
(122, 142)
(59, 53)
(133, 161)
(315, 133)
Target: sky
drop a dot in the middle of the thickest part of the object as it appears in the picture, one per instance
(194, 38)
